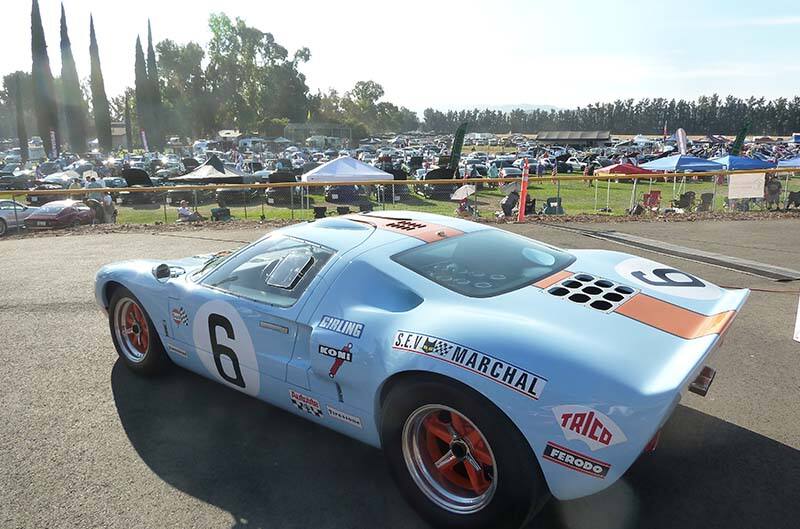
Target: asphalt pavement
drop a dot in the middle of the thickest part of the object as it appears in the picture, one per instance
(84, 443)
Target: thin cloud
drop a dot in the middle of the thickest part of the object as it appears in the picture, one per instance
(759, 22)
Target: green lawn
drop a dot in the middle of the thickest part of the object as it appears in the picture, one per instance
(578, 197)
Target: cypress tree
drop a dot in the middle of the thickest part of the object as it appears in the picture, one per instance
(22, 132)
(128, 132)
(72, 98)
(44, 97)
(155, 92)
(102, 114)
(143, 92)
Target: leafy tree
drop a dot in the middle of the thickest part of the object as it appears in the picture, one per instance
(187, 103)
(102, 116)
(74, 109)
(44, 95)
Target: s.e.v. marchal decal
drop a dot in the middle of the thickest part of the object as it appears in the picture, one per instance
(179, 316)
(513, 377)
(305, 403)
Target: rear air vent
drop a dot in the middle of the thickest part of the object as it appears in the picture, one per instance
(597, 293)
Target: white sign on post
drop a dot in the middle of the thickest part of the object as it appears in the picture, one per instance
(746, 185)
(797, 323)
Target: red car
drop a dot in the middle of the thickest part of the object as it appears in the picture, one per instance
(60, 214)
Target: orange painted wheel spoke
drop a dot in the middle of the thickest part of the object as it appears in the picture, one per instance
(476, 479)
(482, 455)
(438, 429)
(458, 424)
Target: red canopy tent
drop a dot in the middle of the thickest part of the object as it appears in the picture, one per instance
(624, 168)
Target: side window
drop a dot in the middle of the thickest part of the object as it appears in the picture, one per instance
(276, 270)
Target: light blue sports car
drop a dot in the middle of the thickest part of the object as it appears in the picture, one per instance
(493, 370)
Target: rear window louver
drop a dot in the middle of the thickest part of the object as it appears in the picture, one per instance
(592, 291)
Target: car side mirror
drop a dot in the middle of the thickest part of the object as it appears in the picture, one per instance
(162, 272)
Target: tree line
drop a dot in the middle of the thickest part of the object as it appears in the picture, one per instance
(705, 115)
(244, 79)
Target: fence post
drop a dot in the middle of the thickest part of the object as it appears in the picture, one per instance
(608, 195)
(291, 200)
(245, 197)
(16, 218)
(595, 194)
(263, 198)
(165, 207)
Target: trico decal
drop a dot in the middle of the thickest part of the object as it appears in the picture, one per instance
(305, 403)
(352, 420)
(589, 426)
(179, 316)
(513, 377)
(575, 460)
(346, 327)
(340, 356)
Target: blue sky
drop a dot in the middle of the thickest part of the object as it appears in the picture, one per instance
(455, 54)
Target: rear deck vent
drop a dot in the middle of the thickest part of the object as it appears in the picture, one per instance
(600, 294)
(406, 225)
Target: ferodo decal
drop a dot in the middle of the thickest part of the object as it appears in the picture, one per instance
(225, 346)
(513, 377)
(575, 461)
(305, 403)
(346, 327)
(651, 275)
(352, 420)
(339, 356)
(179, 316)
(589, 426)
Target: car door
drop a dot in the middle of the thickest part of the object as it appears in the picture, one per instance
(241, 317)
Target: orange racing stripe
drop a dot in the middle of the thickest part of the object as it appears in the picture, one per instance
(553, 279)
(673, 319)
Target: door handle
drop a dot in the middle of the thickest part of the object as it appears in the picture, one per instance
(273, 327)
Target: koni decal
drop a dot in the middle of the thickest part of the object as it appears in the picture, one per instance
(529, 384)
(340, 356)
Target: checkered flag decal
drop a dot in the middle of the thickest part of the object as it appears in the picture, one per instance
(442, 348)
(307, 408)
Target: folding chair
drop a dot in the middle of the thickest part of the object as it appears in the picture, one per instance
(553, 206)
(652, 200)
(706, 202)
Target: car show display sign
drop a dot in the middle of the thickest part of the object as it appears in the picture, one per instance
(746, 185)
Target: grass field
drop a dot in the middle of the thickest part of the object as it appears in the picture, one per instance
(578, 197)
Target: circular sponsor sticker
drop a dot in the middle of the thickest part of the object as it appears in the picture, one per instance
(651, 275)
(225, 347)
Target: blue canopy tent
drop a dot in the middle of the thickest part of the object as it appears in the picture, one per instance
(682, 162)
(791, 162)
(737, 163)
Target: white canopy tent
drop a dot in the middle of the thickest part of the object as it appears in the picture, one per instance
(346, 169)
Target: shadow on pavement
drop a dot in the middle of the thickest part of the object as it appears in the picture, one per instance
(271, 469)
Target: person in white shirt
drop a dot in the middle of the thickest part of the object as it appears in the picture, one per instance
(185, 214)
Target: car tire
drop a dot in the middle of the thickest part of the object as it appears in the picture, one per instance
(75, 223)
(140, 349)
(507, 490)
(3, 227)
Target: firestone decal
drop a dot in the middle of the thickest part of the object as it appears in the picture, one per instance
(340, 356)
(305, 403)
(352, 420)
(576, 461)
(346, 327)
(588, 425)
(529, 384)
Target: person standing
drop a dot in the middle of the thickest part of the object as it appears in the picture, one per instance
(75, 184)
(94, 184)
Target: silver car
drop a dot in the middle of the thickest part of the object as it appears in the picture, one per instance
(13, 214)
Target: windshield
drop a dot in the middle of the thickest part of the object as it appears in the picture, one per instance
(484, 263)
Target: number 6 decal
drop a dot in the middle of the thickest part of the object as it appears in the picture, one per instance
(224, 346)
(219, 350)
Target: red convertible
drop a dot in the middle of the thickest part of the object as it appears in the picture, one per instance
(60, 214)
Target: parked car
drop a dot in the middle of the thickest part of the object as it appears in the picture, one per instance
(60, 214)
(13, 214)
(493, 370)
